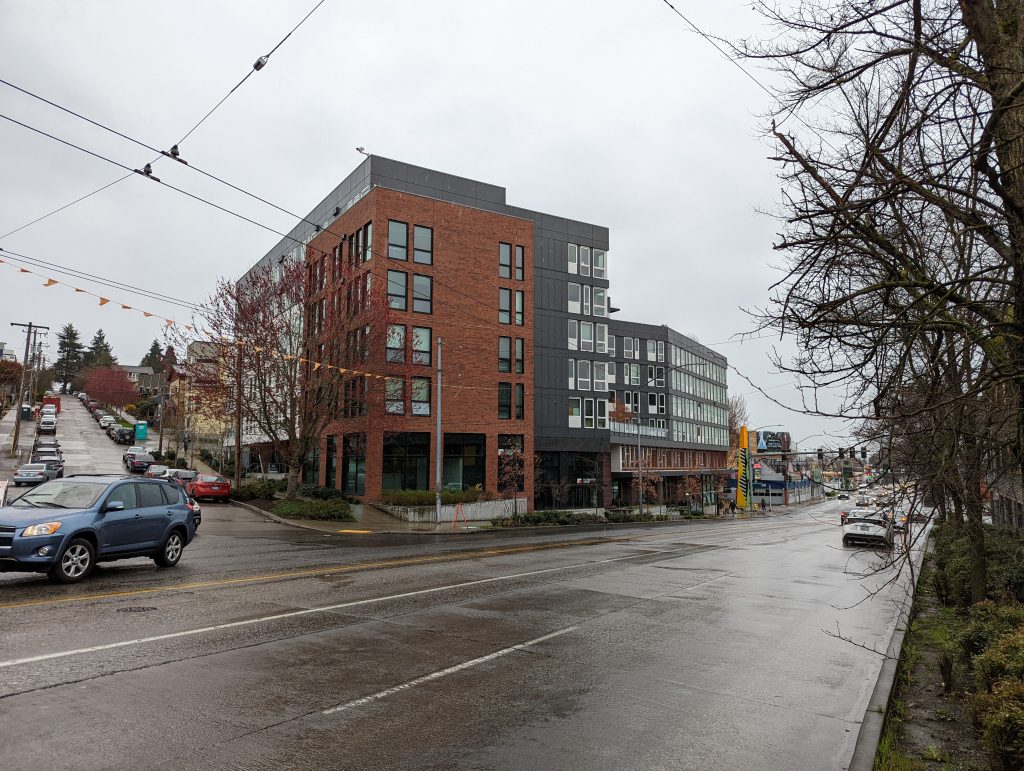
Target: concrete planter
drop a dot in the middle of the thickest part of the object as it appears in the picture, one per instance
(481, 511)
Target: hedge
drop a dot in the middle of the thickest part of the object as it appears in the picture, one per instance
(337, 511)
(549, 519)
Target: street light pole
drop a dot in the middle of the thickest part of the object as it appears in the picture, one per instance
(438, 446)
(639, 466)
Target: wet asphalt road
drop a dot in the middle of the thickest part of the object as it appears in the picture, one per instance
(696, 645)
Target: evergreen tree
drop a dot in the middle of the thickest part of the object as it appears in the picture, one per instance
(99, 354)
(170, 357)
(153, 358)
(70, 353)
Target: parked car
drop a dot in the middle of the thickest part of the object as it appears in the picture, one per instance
(157, 470)
(135, 449)
(47, 426)
(182, 475)
(46, 443)
(54, 464)
(112, 430)
(65, 526)
(871, 529)
(211, 486)
(107, 420)
(31, 474)
(124, 436)
(48, 410)
(140, 462)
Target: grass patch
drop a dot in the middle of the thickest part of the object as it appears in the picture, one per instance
(335, 511)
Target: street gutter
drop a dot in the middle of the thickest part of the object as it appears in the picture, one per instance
(873, 724)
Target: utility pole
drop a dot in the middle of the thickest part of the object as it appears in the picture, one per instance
(639, 465)
(21, 385)
(238, 419)
(438, 446)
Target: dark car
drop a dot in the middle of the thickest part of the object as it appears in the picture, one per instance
(183, 475)
(140, 462)
(46, 445)
(124, 436)
(65, 526)
(53, 463)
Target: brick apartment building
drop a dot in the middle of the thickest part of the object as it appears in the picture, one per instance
(399, 256)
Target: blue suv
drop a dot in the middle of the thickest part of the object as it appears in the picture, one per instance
(65, 526)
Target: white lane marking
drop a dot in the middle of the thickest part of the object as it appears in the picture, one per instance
(295, 613)
(443, 673)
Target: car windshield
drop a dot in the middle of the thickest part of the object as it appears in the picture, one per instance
(62, 494)
(209, 478)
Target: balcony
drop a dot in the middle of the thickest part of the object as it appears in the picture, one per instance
(629, 429)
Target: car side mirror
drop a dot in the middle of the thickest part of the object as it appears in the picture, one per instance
(114, 506)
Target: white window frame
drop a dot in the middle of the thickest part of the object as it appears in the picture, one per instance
(636, 348)
(573, 259)
(627, 347)
(661, 351)
(652, 350)
(588, 413)
(577, 289)
(634, 374)
(586, 336)
(600, 338)
(574, 335)
(584, 260)
(586, 299)
(575, 421)
(600, 267)
(611, 373)
(600, 302)
(602, 413)
(600, 370)
(572, 374)
(652, 403)
(583, 372)
(611, 345)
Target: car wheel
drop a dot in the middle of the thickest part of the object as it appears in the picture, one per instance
(74, 563)
(846, 541)
(170, 552)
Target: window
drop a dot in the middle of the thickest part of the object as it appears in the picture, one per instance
(661, 404)
(652, 350)
(520, 357)
(574, 297)
(652, 403)
(611, 373)
(572, 374)
(397, 290)
(611, 345)
(600, 264)
(504, 354)
(636, 347)
(586, 299)
(149, 495)
(421, 345)
(520, 304)
(661, 350)
(422, 293)
(520, 398)
(584, 260)
(504, 401)
(504, 260)
(368, 241)
(520, 259)
(600, 376)
(599, 302)
(398, 240)
(396, 343)
(586, 335)
(588, 413)
(126, 494)
(421, 396)
(574, 412)
(627, 347)
(422, 245)
(600, 338)
(573, 258)
(574, 335)
(634, 374)
(504, 306)
(583, 375)
(394, 395)
(602, 413)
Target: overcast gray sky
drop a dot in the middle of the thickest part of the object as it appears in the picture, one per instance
(607, 111)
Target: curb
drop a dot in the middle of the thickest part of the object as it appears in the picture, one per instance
(400, 537)
(873, 724)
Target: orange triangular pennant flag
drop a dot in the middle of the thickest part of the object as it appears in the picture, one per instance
(104, 301)
(50, 282)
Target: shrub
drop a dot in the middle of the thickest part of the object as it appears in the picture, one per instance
(987, 622)
(548, 519)
(1004, 552)
(205, 455)
(427, 498)
(170, 455)
(181, 463)
(627, 515)
(319, 492)
(1001, 660)
(1000, 715)
(337, 511)
(253, 491)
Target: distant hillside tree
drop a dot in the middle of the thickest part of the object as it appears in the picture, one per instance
(70, 353)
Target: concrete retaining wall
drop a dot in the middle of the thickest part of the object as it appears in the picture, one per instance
(481, 511)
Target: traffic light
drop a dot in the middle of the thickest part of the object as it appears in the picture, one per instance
(821, 454)
(842, 454)
(863, 453)
(853, 453)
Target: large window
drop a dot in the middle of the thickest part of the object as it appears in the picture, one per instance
(520, 306)
(586, 336)
(504, 260)
(353, 464)
(574, 335)
(504, 401)
(599, 302)
(520, 355)
(396, 343)
(602, 413)
(421, 345)
(583, 375)
(508, 446)
(405, 463)
(504, 306)
(600, 338)
(574, 412)
(600, 376)
(520, 399)
(394, 395)
(398, 240)
(504, 354)
(588, 413)
(421, 396)
(520, 259)
(397, 294)
(422, 294)
(572, 374)
(600, 265)
(422, 245)
(573, 259)
(586, 299)
(575, 293)
(584, 260)
(652, 350)
(627, 347)
(367, 241)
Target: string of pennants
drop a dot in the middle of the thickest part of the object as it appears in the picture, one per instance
(103, 301)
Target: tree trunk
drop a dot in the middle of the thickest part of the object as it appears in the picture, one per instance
(973, 509)
(293, 483)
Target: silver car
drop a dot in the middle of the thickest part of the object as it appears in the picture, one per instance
(33, 474)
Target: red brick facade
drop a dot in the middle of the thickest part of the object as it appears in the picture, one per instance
(465, 304)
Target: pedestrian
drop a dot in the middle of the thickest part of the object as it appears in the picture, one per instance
(732, 507)
(763, 504)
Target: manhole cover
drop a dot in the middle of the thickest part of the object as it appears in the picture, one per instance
(136, 609)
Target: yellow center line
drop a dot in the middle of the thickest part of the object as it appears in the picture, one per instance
(325, 571)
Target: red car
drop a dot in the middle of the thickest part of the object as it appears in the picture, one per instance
(209, 486)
